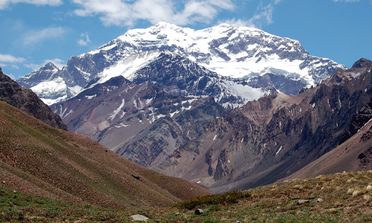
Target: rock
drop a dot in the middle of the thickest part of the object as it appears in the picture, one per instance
(369, 187)
(366, 197)
(302, 201)
(333, 210)
(136, 177)
(319, 200)
(298, 186)
(138, 217)
(350, 191)
(199, 211)
(356, 193)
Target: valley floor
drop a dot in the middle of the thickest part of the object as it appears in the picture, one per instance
(343, 197)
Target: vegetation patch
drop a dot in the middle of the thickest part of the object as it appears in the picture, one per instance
(221, 199)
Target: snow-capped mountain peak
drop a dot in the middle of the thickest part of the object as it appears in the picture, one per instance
(229, 50)
(46, 72)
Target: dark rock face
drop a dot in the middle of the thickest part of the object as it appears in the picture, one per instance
(178, 73)
(362, 63)
(27, 101)
(365, 159)
(279, 82)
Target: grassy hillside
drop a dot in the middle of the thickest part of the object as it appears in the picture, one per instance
(40, 160)
(345, 197)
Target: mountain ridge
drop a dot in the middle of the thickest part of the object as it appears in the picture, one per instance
(24, 99)
(231, 51)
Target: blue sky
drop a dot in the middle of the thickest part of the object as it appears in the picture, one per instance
(36, 31)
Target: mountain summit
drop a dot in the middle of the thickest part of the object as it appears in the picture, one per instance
(260, 59)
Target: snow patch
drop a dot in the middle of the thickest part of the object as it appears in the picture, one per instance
(116, 111)
(127, 66)
(121, 125)
(280, 149)
(89, 97)
(215, 137)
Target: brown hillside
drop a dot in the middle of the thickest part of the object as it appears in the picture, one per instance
(38, 159)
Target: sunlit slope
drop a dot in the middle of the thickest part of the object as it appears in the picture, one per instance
(38, 159)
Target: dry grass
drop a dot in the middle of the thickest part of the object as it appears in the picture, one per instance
(344, 197)
(38, 159)
(336, 198)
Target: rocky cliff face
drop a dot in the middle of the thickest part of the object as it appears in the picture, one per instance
(27, 101)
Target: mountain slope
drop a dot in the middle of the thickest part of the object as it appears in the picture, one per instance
(259, 143)
(38, 159)
(262, 59)
(27, 101)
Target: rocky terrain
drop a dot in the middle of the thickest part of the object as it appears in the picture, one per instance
(24, 99)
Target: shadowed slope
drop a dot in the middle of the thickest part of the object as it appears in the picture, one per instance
(26, 100)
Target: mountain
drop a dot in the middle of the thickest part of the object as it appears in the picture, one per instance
(165, 87)
(44, 73)
(24, 99)
(50, 83)
(152, 120)
(260, 59)
(38, 159)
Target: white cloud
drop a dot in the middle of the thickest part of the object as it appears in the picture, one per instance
(264, 14)
(7, 59)
(127, 13)
(236, 22)
(84, 39)
(6, 3)
(37, 36)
